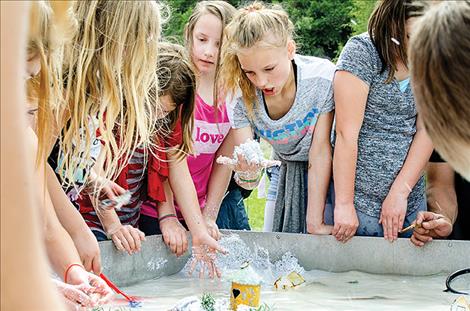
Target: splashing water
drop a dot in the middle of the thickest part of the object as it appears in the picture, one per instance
(240, 253)
(322, 290)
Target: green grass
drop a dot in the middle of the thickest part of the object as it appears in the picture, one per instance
(255, 210)
(254, 205)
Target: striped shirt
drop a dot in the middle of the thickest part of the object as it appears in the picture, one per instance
(131, 178)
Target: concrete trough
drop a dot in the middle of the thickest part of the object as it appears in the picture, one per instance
(366, 254)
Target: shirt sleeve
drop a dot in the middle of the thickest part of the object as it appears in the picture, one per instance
(238, 116)
(328, 103)
(359, 58)
(175, 138)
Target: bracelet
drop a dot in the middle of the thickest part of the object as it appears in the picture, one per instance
(246, 180)
(68, 269)
(166, 216)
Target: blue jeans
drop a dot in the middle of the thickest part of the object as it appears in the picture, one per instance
(369, 225)
(100, 236)
(232, 213)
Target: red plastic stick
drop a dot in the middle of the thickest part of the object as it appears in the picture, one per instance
(116, 289)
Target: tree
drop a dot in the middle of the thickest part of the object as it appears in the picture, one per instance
(322, 26)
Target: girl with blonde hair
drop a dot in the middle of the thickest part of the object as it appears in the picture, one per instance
(287, 99)
(40, 70)
(109, 68)
(151, 200)
(23, 260)
(211, 133)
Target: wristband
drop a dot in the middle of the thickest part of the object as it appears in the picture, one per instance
(245, 177)
(68, 269)
(166, 216)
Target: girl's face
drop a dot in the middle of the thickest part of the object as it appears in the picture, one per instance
(268, 68)
(206, 42)
(167, 104)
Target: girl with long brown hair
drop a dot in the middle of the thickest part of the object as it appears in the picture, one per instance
(381, 147)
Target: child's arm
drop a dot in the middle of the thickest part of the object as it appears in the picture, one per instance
(395, 205)
(126, 238)
(319, 174)
(73, 222)
(174, 234)
(185, 194)
(440, 190)
(63, 255)
(218, 184)
(350, 94)
(442, 205)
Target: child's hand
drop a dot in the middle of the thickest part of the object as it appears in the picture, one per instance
(212, 228)
(346, 222)
(90, 284)
(88, 249)
(127, 238)
(393, 214)
(74, 297)
(174, 235)
(108, 190)
(431, 225)
(204, 253)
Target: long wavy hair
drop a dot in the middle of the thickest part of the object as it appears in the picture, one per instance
(52, 24)
(110, 68)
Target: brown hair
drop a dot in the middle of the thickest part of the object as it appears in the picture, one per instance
(440, 63)
(387, 30)
(179, 81)
(222, 10)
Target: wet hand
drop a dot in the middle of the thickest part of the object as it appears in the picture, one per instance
(346, 222)
(430, 225)
(393, 214)
(212, 228)
(204, 253)
(174, 235)
(74, 297)
(89, 284)
(127, 238)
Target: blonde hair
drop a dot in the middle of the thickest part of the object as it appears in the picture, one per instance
(223, 11)
(439, 69)
(180, 84)
(249, 28)
(110, 67)
(52, 24)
